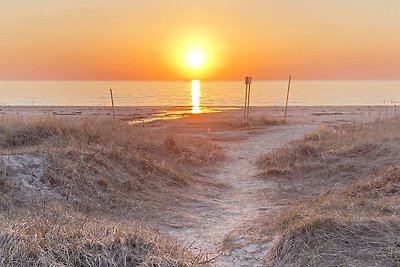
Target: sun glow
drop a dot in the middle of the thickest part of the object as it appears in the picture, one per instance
(194, 54)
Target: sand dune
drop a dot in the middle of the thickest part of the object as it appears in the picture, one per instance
(196, 178)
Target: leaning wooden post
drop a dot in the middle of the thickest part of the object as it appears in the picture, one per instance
(112, 102)
(248, 81)
(287, 96)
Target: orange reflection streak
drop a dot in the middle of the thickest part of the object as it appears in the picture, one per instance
(196, 93)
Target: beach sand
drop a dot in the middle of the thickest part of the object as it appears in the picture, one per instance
(296, 114)
(217, 218)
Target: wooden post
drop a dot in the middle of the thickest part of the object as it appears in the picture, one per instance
(112, 102)
(247, 81)
(245, 103)
(287, 96)
(248, 102)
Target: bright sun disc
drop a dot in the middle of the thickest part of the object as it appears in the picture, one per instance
(195, 59)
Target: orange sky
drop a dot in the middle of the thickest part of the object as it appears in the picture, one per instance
(145, 40)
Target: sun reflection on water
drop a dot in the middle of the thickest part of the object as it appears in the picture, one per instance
(196, 93)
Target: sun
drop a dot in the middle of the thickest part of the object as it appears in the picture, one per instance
(195, 58)
(194, 54)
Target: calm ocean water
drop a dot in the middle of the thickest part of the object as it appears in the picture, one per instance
(205, 93)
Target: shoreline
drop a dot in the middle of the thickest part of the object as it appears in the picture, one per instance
(151, 114)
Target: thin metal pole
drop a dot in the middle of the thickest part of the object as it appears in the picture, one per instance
(248, 103)
(112, 102)
(287, 96)
(245, 103)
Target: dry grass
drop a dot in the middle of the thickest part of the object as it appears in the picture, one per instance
(94, 170)
(196, 151)
(330, 243)
(332, 157)
(253, 121)
(94, 134)
(358, 226)
(346, 186)
(87, 161)
(60, 239)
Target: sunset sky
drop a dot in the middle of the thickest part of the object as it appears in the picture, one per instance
(151, 39)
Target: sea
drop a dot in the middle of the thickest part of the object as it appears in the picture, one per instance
(200, 93)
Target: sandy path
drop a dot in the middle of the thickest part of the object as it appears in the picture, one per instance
(241, 202)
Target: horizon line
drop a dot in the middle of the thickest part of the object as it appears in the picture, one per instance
(188, 80)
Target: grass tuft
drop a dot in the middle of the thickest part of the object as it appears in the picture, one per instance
(65, 240)
(88, 171)
(253, 121)
(333, 156)
(344, 184)
(89, 161)
(324, 242)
